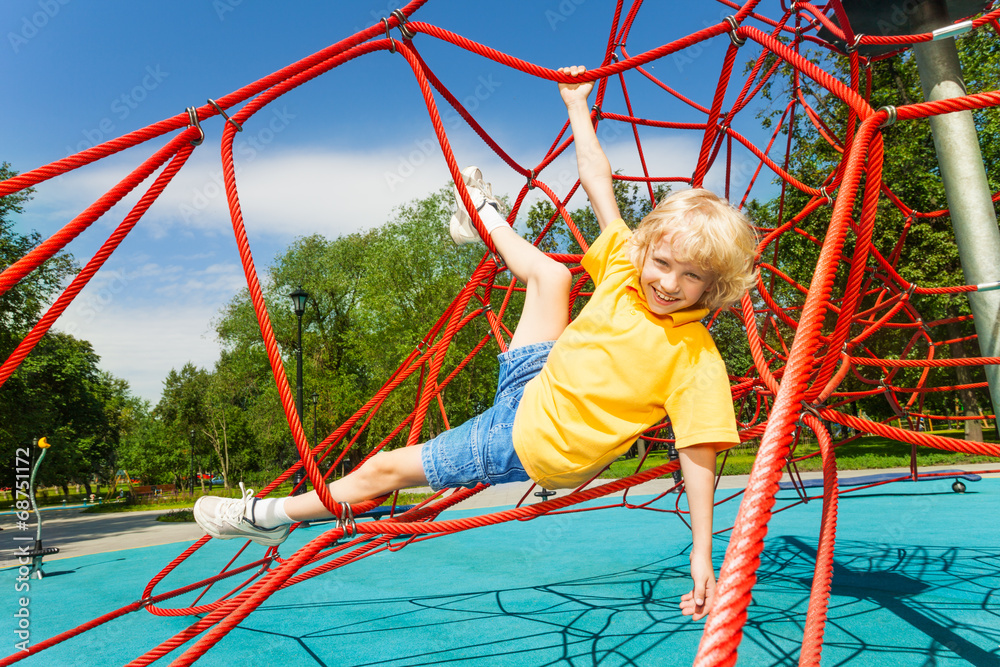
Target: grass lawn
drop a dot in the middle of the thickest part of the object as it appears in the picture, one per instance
(864, 453)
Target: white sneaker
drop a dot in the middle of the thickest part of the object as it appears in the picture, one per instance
(232, 518)
(461, 227)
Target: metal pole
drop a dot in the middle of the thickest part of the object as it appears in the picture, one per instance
(315, 398)
(298, 372)
(191, 472)
(39, 551)
(43, 444)
(300, 475)
(969, 200)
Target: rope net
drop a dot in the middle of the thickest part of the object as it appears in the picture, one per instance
(802, 349)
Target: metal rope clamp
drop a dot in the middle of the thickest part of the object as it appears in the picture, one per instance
(724, 121)
(498, 261)
(403, 29)
(733, 26)
(194, 122)
(239, 128)
(812, 409)
(891, 120)
(392, 43)
(890, 398)
(346, 520)
(851, 48)
(829, 197)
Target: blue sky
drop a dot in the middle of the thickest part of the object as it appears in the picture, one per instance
(334, 156)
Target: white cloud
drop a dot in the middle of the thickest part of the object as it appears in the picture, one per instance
(142, 344)
(665, 156)
(150, 310)
(283, 192)
(145, 318)
(292, 192)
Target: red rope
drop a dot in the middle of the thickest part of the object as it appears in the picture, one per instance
(819, 596)
(785, 376)
(81, 280)
(22, 267)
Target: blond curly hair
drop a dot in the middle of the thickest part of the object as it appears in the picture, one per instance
(706, 230)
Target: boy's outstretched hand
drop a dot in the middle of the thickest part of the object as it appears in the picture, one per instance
(698, 603)
(575, 93)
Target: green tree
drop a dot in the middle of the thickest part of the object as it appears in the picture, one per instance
(231, 389)
(413, 271)
(59, 390)
(374, 295)
(20, 307)
(147, 450)
(928, 257)
(122, 412)
(182, 413)
(63, 398)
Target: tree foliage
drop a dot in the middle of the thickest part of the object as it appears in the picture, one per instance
(21, 306)
(63, 396)
(59, 390)
(928, 256)
(373, 296)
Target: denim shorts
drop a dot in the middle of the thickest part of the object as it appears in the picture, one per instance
(482, 449)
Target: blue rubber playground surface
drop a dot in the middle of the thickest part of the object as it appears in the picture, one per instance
(916, 582)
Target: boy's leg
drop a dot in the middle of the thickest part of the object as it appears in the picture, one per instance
(547, 282)
(547, 286)
(383, 473)
(266, 521)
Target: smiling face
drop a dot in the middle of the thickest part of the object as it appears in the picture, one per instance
(668, 283)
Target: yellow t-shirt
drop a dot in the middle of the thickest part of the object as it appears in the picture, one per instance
(616, 370)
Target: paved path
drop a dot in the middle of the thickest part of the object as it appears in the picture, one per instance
(78, 534)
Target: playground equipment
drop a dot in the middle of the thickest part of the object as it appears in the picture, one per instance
(38, 552)
(802, 351)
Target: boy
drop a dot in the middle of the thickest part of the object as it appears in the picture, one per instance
(572, 397)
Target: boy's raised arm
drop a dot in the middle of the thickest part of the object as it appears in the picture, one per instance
(592, 164)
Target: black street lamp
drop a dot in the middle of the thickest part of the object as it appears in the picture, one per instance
(191, 472)
(299, 298)
(315, 398)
